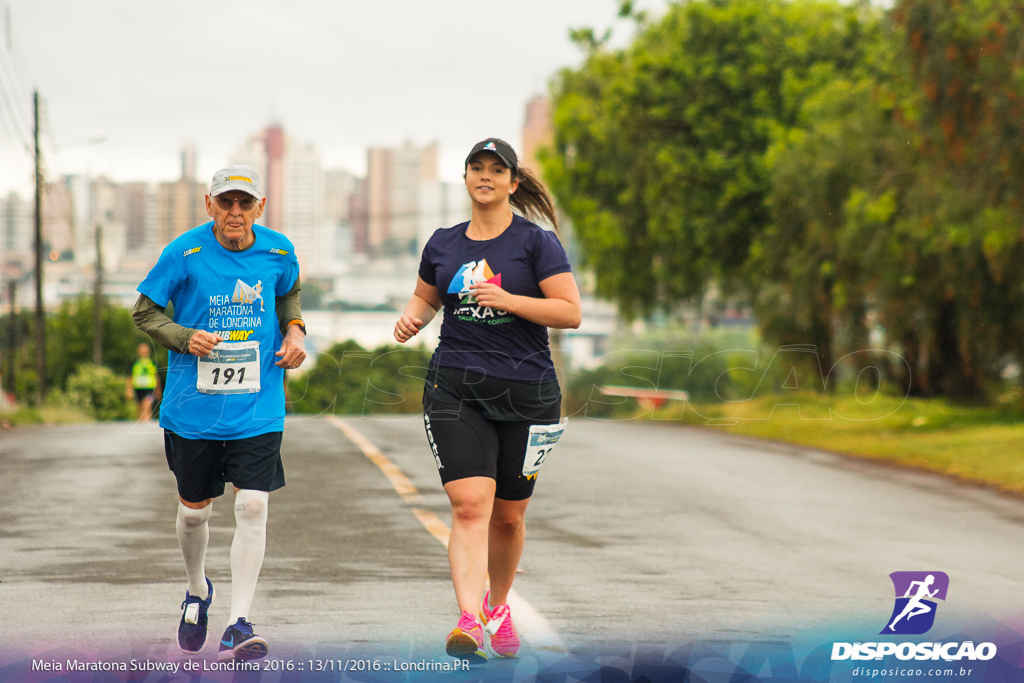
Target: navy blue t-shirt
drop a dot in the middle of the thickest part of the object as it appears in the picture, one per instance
(489, 341)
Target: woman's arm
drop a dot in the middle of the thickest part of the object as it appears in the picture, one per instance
(423, 305)
(560, 307)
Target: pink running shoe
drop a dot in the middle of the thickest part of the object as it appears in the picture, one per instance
(466, 641)
(503, 640)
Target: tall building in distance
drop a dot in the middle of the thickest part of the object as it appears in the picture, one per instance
(293, 182)
(339, 186)
(304, 209)
(441, 205)
(103, 216)
(15, 229)
(253, 153)
(275, 180)
(393, 179)
(359, 216)
(59, 234)
(180, 205)
(131, 203)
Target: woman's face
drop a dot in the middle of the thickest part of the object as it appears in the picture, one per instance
(488, 180)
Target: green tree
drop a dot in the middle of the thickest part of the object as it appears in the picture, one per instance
(836, 165)
(70, 335)
(660, 151)
(939, 227)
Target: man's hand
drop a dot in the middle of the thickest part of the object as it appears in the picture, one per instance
(293, 348)
(202, 343)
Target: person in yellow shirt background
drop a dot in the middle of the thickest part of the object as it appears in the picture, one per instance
(143, 383)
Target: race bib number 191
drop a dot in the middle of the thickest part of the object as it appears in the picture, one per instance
(540, 444)
(231, 368)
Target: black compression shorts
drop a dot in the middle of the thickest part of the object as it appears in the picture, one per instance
(467, 444)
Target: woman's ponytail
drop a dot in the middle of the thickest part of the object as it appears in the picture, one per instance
(533, 200)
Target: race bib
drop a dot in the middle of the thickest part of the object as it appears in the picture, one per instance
(231, 368)
(541, 442)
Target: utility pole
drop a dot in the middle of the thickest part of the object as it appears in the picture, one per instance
(97, 303)
(12, 333)
(40, 313)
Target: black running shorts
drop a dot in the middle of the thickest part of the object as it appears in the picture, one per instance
(467, 444)
(203, 466)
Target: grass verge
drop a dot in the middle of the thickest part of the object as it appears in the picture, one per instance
(23, 415)
(978, 444)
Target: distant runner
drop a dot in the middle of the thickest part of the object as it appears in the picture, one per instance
(223, 408)
(142, 385)
(492, 404)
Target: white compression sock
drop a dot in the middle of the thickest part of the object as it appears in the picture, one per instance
(193, 527)
(247, 549)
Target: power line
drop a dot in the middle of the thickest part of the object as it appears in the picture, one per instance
(7, 81)
(16, 128)
(9, 88)
(15, 77)
(13, 51)
(21, 69)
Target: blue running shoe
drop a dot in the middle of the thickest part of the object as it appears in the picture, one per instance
(194, 621)
(239, 642)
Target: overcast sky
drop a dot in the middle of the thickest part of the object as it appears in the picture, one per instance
(341, 74)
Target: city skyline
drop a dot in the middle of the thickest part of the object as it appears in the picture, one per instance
(332, 216)
(338, 76)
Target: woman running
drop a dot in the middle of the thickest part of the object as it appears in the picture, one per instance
(491, 403)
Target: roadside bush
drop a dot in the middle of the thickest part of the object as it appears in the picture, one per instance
(350, 380)
(98, 392)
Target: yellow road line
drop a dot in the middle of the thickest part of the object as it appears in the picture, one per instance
(403, 485)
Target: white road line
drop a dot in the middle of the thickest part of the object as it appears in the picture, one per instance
(530, 623)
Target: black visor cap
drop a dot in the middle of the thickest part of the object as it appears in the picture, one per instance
(499, 147)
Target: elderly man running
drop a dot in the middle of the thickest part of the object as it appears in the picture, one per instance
(223, 409)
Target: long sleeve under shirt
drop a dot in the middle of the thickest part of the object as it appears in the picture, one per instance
(154, 321)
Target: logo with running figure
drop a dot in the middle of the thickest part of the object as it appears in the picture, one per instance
(916, 593)
(244, 294)
(469, 274)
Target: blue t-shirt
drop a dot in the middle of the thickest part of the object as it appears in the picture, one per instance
(233, 294)
(492, 342)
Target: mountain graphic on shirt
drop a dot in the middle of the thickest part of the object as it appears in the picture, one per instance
(244, 294)
(471, 273)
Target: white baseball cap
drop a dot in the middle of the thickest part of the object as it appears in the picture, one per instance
(240, 178)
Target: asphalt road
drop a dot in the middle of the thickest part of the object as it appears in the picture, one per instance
(639, 533)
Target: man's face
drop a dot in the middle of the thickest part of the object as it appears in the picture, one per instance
(231, 218)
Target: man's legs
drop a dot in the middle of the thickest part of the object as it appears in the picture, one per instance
(247, 549)
(146, 408)
(254, 466)
(193, 527)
